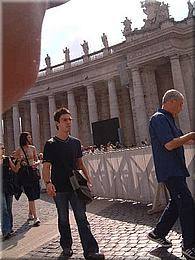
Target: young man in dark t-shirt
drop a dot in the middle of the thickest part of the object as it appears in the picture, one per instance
(62, 154)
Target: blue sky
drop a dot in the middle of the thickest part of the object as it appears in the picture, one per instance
(78, 20)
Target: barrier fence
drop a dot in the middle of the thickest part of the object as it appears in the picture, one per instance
(129, 174)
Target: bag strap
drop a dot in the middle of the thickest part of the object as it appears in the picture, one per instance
(25, 155)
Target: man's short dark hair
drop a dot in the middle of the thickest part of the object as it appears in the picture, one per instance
(59, 112)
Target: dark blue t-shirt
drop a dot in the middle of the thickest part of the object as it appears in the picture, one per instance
(62, 154)
(167, 163)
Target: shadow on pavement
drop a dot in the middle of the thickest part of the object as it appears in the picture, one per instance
(162, 253)
(128, 211)
(61, 256)
(18, 234)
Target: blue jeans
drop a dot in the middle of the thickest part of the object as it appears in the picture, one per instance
(6, 215)
(181, 206)
(88, 241)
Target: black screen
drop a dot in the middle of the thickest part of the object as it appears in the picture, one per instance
(106, 131)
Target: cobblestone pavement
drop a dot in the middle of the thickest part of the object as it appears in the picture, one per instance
(120, 230)
(45, 209)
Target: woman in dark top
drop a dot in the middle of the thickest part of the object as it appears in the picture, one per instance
(8, 169)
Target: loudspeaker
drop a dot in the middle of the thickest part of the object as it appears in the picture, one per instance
(106, 131)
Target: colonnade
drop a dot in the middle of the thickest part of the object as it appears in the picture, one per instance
(143, 99)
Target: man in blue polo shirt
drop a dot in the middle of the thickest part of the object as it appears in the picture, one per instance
(167, 146)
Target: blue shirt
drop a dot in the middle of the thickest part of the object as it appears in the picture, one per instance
(167, 163)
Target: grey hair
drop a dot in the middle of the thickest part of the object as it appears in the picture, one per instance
(172, 94)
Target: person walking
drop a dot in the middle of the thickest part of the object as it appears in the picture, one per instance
(29, 161)
(62, 153)
(8, 169)
(167, 142)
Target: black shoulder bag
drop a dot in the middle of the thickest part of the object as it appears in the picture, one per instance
(30, 174)
(80, 187)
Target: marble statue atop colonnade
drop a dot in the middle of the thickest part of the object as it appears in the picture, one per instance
(127, 27)
(66, 51)
(105, 40)
(85, 47)
(157, 12)
(191, 9)
(157, 17)
(48, 65)
(48, 61)
(106, 49)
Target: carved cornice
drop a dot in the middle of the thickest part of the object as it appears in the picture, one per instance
(174, 57)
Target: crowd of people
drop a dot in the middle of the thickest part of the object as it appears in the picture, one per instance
(16, 179)
(21, 173)
(109, 147)
(94, 149)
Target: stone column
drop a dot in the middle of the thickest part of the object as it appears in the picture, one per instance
(151, 92)
(44, 121)
(16, 124)
(184, 119)
(132, 99)
(52, 109)
(35, 124)
(113, 102)
(92, 105)
(189, 79)
(140, 108)
(73, 110)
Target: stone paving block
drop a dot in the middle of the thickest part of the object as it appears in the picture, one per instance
(120, 230)
(45, 209)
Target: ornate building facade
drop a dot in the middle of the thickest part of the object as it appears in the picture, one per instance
(124, 81)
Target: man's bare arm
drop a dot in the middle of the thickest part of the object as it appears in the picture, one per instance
(81, 166)
(179, 141)
(46, 172)
(51, 191)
